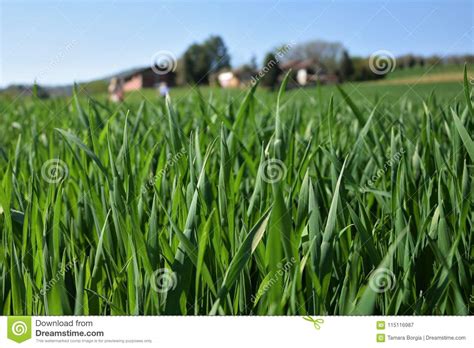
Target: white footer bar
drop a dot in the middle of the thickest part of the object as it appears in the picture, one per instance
(209, 332)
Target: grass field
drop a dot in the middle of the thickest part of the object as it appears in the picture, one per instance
(368, 92)
(314, 201)
(428, 70)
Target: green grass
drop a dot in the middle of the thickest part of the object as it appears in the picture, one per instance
(372, 91)
(426, 70)
(243, 202)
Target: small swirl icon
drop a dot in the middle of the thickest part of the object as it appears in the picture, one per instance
(273, 170)
(54, 171)
(163, 62)
(163, 280)
(382, 62)
(382, 280)
(19, 328)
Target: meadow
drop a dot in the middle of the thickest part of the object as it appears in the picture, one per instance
(342, 201)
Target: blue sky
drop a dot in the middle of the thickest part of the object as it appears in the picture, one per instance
(58, 42)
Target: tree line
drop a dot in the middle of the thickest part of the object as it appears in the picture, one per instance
(201, 62)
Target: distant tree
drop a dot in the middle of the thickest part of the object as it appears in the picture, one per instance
(14, 91)
(181, 73)
(362, 71)
(433, 60)
(200, 61)
(327, 53)
(406, 61)
(217, 53)
(246, 69)
(468, 58)
(196, 65)
(401, 62)
(270, 71)
(346, 69)
(39, 91)
(253, 62)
